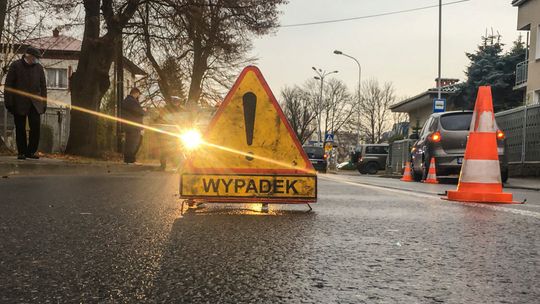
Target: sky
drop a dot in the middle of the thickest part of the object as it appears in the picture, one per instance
(401, 49)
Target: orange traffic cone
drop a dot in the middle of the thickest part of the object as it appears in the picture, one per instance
(480, 178)
(407, 174)
(432, 173)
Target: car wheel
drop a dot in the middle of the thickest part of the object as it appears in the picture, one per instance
(425, 168)
(372, 168)
(504, 176)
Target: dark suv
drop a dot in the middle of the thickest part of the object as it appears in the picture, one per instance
(317, 157)
(444, 136)
(370, 158)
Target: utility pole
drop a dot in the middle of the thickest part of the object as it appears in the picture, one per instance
(119, 73)
(440, 50)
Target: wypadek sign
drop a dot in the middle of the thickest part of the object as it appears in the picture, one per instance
(250, 154)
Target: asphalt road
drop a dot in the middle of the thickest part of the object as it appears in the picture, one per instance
(121, 238)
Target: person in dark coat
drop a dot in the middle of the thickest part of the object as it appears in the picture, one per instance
(26, 78)
(132, 111)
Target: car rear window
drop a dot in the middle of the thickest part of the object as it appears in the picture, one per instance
(456, 122)
(315, 152)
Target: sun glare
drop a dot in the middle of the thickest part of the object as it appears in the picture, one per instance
(191, 139)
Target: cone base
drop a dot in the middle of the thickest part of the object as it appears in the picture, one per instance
(429, 181)
(406, 179)
(496, 198)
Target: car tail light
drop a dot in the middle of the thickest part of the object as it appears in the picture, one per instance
(500, 135)
(325, 156)
(435, 137)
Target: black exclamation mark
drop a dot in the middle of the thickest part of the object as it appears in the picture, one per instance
(250, 104)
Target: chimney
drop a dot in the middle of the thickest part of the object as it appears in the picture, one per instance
(56, 33)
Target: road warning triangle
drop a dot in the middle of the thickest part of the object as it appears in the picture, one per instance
(249, 139)
(250, 133)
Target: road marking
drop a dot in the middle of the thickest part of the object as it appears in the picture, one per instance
(432, 196)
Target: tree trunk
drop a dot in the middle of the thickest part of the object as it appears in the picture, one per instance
(3, 11)
(90, 82)
(195, 88)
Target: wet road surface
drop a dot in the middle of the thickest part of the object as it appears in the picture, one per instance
(123, 239)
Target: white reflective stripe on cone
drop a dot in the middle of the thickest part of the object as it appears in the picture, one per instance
(486, 122)
(480, 171)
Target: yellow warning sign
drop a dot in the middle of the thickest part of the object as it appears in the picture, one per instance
(248, 147)
(254, 186)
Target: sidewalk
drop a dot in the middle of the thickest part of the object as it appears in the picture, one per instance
(10, 165)
(528, 183)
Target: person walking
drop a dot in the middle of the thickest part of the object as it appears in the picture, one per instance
(132, 111)
(26, 79)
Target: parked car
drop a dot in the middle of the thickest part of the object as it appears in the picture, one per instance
(444, 137)
(317, 157)
(370, 158)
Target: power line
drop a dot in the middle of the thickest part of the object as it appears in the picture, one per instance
(373, 16)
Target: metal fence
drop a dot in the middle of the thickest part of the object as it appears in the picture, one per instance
(522, 128)
(522, 73)
(55, 120)
(398, 155)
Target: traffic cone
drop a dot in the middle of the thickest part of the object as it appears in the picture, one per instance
(432, 173)
(480, 177)
(407, 174)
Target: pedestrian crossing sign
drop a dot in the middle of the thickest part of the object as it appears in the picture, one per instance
(329, 137)
(250, 152)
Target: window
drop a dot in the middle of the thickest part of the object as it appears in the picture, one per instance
(538, 42)
(456, 122)
(425, 129)
(314, 152)
(56, 78)
(376, 150)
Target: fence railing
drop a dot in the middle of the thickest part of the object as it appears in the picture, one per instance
(398, 155)
(56, 120)
(521, 72)
(522, 128)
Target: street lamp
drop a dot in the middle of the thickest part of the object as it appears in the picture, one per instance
(338, 52)
(321, 74)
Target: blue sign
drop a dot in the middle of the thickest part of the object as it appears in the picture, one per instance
(329, 137)
(439, 105)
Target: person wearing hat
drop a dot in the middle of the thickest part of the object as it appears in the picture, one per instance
(25, 96)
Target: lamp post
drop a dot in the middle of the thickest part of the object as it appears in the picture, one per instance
(337, 52)
(321, 74)
(440, 50)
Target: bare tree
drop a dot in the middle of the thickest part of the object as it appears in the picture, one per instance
(338, 106)
(298, 107)
(334, 110)
(374, 109)
(207, 39)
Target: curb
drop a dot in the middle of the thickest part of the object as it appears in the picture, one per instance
(507, 186)
(521, 187)
(35, 167)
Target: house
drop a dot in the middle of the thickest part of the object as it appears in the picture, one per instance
(60, 59)
(528, 71)
(420, 107)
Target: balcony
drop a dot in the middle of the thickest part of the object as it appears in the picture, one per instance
(522, 69)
